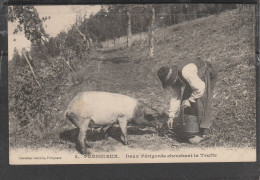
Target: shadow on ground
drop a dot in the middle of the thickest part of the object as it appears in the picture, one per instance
(92, 136)
(176, 133)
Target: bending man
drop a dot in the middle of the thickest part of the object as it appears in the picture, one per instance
(198, 79)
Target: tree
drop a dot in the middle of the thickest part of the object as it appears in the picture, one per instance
(129, 31)
(28, 61)
(81, 16)
(30, 23)
(151, 33)
(17, 59)
(123, 10)
(53, 49)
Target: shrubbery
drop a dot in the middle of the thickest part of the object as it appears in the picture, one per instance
(35, 108)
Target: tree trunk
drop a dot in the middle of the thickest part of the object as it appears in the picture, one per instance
(199, 10)
(31, 68)
(219, 8)
(151, 33)
(194, 10)
(240, 6)
(83, 35)
(43, 53)
(181, 13)
(129, 32)
(162, 15)
(90, 41)
(86, 38)
(170, 15)
(174, 17)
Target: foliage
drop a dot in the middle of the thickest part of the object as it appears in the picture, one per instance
(27, 97)
(30, 104)
(113, 18)
(29, 22)
(53, 49)
(17, 59)
(34, 108)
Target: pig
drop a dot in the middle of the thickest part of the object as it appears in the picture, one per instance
(106, 109)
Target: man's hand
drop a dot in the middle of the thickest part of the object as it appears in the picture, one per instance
(170, 123)
(185, 103)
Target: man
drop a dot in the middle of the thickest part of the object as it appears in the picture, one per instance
(198, 79)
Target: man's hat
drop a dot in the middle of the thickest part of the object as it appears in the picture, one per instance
(167, 75)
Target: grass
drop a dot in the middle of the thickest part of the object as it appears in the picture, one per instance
(227, 40)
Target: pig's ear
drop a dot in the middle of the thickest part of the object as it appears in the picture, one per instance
(138, 111)
(147, 110)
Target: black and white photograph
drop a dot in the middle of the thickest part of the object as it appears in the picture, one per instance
(131, 83)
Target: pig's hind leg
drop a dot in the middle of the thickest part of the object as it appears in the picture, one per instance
(83, 127)
(122, 121)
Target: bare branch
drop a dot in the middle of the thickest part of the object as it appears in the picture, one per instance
(31, 68)
(83, 35)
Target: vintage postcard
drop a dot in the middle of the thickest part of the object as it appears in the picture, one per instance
(131, 83)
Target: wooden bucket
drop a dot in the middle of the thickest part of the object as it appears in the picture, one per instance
(190, 125)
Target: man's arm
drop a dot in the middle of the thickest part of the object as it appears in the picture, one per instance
(190, 74)
(175, 102)
(174, 105)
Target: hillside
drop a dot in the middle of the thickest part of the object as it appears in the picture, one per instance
(227, 40)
